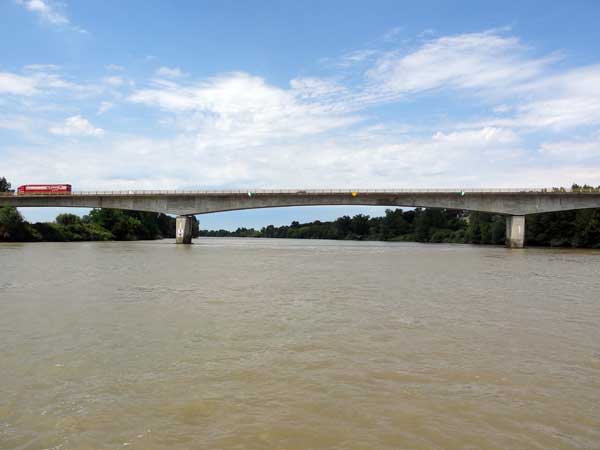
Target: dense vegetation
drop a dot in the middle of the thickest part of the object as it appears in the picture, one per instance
(421, 225)
(562, 229)
(98, 225)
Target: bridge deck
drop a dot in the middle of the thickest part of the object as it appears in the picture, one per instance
(510, 201)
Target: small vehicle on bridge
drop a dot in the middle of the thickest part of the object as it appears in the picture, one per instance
(44, 189)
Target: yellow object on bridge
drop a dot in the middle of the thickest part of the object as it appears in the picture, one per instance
(354, 193)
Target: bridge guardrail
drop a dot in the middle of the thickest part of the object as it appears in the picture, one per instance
(315, 191)
(309, 191)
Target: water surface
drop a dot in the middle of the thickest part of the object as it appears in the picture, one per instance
(284, 344)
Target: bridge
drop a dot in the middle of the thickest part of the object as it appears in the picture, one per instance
(515, 203)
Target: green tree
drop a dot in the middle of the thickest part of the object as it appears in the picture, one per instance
(4, 185)
(196, 227)
(68, 219)
(129, 225)
(587, 228)
(268, 232)
(13, 227)
(342, 225)
(359, 226)
(425, 220)
(498, 229)
(473, 233)
(555, 229)
(127, 228)
(394, 224)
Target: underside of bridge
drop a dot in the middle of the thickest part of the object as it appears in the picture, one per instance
(513, 203)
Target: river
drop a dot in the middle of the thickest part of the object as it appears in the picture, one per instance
(290, 344)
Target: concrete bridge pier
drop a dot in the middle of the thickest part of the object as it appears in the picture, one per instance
(515, 231)
(183, 230)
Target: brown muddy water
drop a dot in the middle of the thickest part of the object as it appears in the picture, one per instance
(284, 344)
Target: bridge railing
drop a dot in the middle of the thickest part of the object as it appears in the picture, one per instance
(308, 191)
(314, 191)
(320, 191)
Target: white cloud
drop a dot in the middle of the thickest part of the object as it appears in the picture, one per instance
(564, 100)
(241, 109)
(495, 67)
(503, 108)
(470, 137)
(37, 80)
(316, 88)
(51, 12)
(17, 123)
(374, 158)
(555, 103)
(560, 112)
(474, 61)
(76, 126)
(391, 35)
(104, 106)
(115, 67)
(572, 150)
(357, 56)
(41, 67)
(13, 84)
(169, 72)
(443, 158)
(46, 10)
(113, 81)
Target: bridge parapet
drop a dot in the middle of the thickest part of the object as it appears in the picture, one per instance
(528, 190)
(510, 201)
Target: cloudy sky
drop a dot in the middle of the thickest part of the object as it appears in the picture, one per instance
(310, 94)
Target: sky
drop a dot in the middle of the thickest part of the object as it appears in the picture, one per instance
(284, 94)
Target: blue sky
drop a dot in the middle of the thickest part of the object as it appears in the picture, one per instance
(184, 95)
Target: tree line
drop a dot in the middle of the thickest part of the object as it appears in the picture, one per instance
(420, 225)
(580, 228)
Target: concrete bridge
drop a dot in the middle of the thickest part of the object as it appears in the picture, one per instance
(514, 203)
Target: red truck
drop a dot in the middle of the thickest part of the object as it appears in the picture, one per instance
(44, 189)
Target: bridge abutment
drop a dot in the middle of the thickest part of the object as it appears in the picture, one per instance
(183, 230)
(515, 231)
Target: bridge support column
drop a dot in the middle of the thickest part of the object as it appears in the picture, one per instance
(515, 231)
(183, 230)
